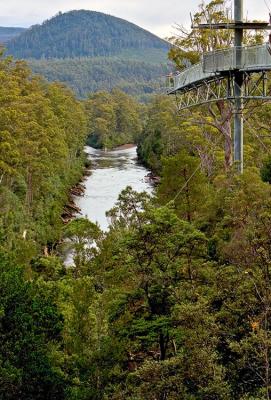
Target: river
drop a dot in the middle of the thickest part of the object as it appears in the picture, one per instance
(112, 171)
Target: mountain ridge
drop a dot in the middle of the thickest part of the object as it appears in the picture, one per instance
(91, 51)
(82, 33)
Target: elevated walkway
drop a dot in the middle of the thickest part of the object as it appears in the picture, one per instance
(219, 64)
(189, 78)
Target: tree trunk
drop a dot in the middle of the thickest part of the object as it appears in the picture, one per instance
(187, 196)
(29, 191)
(224, 125)
(163, 342)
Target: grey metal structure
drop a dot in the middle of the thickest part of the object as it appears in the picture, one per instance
(238, 74)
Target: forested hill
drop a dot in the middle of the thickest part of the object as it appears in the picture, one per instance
(91, 74)
(82, 33)
(91, 51)
(8, 33)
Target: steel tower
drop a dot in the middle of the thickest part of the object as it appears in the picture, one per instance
(238, 74)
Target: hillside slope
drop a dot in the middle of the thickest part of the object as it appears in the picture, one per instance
(91, 51)
(91, 74)
(82, 33)
(8, 33)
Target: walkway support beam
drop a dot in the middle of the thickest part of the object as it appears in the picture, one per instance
(238, 90)
(236, 66)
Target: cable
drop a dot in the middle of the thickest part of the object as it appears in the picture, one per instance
(265, 2)
(252, 129)
(267, 6)
(191, 176)
(184, 186)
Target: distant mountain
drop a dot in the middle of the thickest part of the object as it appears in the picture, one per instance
(6, 33)
(93, 51)
(82, 34)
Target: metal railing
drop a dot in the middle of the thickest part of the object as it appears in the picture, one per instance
(185, 78)
(252, 57)
(215, 63)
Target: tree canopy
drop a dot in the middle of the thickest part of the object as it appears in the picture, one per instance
(174, 300)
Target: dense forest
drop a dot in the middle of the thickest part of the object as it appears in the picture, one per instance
(114, 119)
(136, 77)
(43, 131)
(91, 51)
(173, 302)
(83, 33)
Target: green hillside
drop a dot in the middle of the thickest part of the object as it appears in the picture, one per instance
(87, 75)
(82, 33)
(91, 51)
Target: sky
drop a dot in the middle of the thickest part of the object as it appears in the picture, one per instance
(157, 16)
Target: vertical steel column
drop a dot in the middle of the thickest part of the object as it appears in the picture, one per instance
(238, 89)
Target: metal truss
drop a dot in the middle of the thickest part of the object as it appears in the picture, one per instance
(256, 86)
(207, 92)
(221, 87)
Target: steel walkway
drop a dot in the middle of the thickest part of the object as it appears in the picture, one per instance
(219, 64)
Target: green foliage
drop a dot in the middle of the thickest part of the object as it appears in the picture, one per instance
(173, 302)
(114, 119)
(266, 170)
(83, 236)
(161, 132)
(137, 74)
(186, 310)
(184, 183)
(206, 135)
(42, 134)
(30, 326)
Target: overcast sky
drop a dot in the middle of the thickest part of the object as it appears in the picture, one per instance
(157, 16)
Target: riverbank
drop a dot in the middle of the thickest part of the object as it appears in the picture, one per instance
(71, 210)
(124, 147)
(111, 172)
